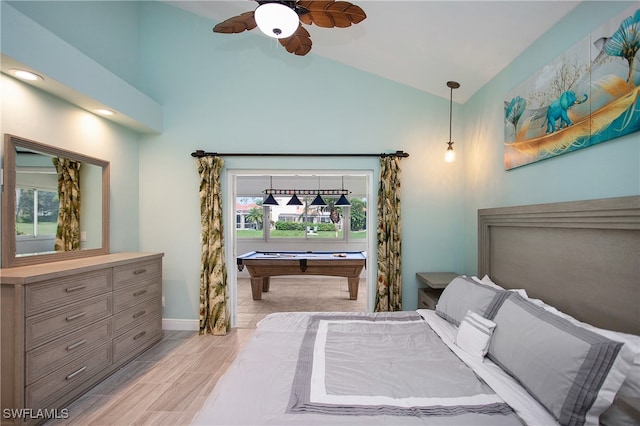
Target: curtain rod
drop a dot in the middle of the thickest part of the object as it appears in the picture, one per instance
(200, 153)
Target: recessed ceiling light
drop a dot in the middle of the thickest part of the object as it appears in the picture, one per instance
(26, 75)
(105, 111)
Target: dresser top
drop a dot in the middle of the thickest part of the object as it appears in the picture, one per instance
(44, 271)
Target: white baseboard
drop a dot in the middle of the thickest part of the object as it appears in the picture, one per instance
(180, 324)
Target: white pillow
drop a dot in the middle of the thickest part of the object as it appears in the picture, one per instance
(488, 282)
(631, 386)
(474, 334)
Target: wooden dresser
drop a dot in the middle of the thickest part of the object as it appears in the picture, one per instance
(67, 325)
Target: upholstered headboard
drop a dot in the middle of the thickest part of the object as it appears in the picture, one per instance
(581, 257)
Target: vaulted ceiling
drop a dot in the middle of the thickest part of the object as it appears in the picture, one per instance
(422, 44)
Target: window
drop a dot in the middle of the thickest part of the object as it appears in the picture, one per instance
(249, 217)
(288, 223)
(300, 222)
(306, 221)
(36, 212)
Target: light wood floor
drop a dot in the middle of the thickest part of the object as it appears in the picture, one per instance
(292, 294)
(168, 384)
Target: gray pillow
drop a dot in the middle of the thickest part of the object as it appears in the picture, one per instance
(572, 371)
(465, 294)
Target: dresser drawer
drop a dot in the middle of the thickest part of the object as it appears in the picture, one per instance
(130, 343)
(134, 273)
(45, 327)
(68, 377)
(49, 357)
(129, 296)
(136, 315)
(57, 292)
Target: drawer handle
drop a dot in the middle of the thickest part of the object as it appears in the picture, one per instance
(139, 293)
(75, 373)
(78, 287)
(76, 316)
(139, 314)
(139, 335)
(77, 344)
(139, 271)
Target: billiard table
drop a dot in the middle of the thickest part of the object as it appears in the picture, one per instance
(264, 265)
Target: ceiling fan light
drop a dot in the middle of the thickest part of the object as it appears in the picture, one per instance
(276, 20)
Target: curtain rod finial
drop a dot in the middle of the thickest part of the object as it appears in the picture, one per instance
(198, 153)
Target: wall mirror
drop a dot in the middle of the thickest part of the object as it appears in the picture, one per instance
(55, 204)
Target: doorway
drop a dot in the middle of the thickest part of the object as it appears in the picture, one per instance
(255, 227)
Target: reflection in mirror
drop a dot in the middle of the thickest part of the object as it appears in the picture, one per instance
(60, 205)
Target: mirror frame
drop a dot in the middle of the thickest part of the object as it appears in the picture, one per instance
(9, 258)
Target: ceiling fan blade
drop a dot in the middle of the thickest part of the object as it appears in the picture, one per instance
(330, 14)
(299, 43)
(237, 24)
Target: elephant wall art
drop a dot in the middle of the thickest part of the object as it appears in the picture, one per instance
(586, 96)
(558, 110)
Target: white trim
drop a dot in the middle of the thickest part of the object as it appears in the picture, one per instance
(372, 241)
(229, 200)
(180, 324)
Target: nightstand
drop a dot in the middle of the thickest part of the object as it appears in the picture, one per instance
(435, 283)
(629, 405)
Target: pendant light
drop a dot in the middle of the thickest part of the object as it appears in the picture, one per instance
(270, 201)
(342, 201)
(318, 201)
(294, 201)
(450, 155)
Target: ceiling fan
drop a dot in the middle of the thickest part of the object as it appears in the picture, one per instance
(282, 20)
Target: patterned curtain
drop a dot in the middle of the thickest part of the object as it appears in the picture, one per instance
(389, 284)
(68, 233)
(214, 296)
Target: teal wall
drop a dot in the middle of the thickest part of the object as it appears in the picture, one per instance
(106, 31)
(609, 169)
(32, 114)
(244, 93)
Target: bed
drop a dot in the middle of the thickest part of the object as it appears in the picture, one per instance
(546, 333)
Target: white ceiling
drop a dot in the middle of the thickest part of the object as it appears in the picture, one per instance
(422, 44)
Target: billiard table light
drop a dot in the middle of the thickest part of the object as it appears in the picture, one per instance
(318, 201)
(294, 201)
(270, 201)
(342, 201)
